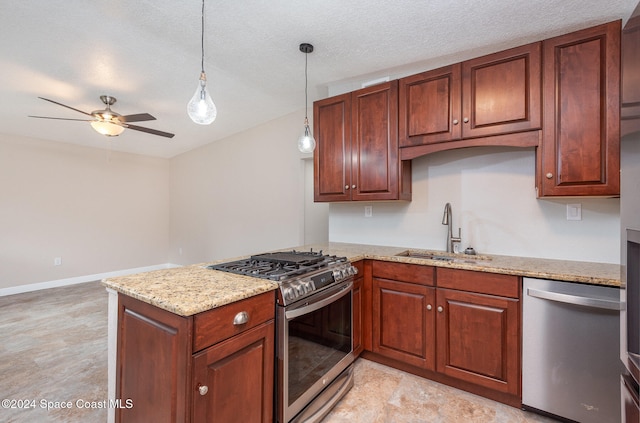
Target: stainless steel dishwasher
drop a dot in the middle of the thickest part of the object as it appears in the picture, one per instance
(570, 350)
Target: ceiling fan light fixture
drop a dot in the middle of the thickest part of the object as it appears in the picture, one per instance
(306, 142)
(200, 108)
(107, 128)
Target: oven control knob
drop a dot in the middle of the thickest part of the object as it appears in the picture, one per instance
(289, 294)
(299, 290)
(354, 270)
(306, 286)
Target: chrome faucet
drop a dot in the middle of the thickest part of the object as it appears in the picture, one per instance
(451, 240)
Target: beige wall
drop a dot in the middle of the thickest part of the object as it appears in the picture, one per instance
(99, 211)
(241, 195)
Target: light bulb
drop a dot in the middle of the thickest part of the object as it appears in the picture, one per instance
(306, 142)
(201, 109)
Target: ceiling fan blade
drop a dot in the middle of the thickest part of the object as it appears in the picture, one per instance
(48, 117)
(64, 105)
(148, 130)
(136, 118)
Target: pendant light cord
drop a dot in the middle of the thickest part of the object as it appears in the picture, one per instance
(306, 100)
(202, 39)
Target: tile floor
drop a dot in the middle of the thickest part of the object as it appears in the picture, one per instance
(53, 348)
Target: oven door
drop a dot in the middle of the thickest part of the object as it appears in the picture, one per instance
(315, 345)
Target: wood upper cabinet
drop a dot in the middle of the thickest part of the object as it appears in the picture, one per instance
(630, 63)
(197, 368)
(356, 157)
(491, 95)
(403, 317)
(580, 150)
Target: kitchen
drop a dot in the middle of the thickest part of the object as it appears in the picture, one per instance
(186, 227)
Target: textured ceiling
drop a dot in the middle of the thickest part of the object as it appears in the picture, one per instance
(147, 54)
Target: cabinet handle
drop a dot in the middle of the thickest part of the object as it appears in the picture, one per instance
(440, 309)
(455, 121)
(203, 389)
(353, 186)
(549, 175)
(346, 187)
(465, 120)
(241, 318)
(429, 307)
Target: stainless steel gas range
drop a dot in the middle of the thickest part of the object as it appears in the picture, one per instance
(314, 353)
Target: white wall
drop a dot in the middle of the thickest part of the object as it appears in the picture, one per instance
(99, 211)
(242, 195)
(492, 192)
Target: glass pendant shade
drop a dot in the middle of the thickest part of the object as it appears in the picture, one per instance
(306, 142)
(200, 108)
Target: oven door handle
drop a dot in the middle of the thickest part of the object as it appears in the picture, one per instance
(317, 305)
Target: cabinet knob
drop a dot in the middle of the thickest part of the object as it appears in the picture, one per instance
(549, 175)
(429, 307)
(353, 186)
(241, 318)
(440, 309)
(455, 121)
(465, 120)
(346, 187)
(203, 389)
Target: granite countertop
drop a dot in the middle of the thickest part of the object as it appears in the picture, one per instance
(193, 289)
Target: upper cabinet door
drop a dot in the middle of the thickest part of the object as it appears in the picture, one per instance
(374, 144)
(580, 149)
(501, 92)
(429, 107)
(332, 158)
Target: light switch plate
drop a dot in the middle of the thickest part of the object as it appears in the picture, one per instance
(574, 211)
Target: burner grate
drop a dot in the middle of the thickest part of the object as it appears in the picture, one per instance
(278, 266)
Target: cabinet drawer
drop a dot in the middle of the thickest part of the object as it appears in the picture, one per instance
(216, 325)
(413, 273)
(480, 282)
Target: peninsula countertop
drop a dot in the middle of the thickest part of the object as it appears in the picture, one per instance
(192, 289)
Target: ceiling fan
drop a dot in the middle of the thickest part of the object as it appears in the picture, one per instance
(109, 123)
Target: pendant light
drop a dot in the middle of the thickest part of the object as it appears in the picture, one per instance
(306, 142)
(201, 109)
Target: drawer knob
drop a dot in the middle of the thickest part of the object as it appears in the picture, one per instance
(203, 389)
(429, 307)
(353, 186)
(455, 121)
(549, 175)
(241, 318)
(440, 309)
(346, 187)
(465, 120)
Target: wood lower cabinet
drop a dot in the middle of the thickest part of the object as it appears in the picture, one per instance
(234, 378)
(403, 320)
(478, 339)
(357, 320)
(356, 157)
(165, 361)
(457, 327)
(579, 154)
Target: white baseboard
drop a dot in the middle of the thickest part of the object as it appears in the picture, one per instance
(80, 279)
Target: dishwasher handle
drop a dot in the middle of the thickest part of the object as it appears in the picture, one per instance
(574, 299)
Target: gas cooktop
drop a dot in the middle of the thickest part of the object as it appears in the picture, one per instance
(281, 265)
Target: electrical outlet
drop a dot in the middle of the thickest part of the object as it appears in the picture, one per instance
(574, 211)
(368, 211)
(57, 261)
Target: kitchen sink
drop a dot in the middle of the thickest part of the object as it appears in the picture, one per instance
(443, 256)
